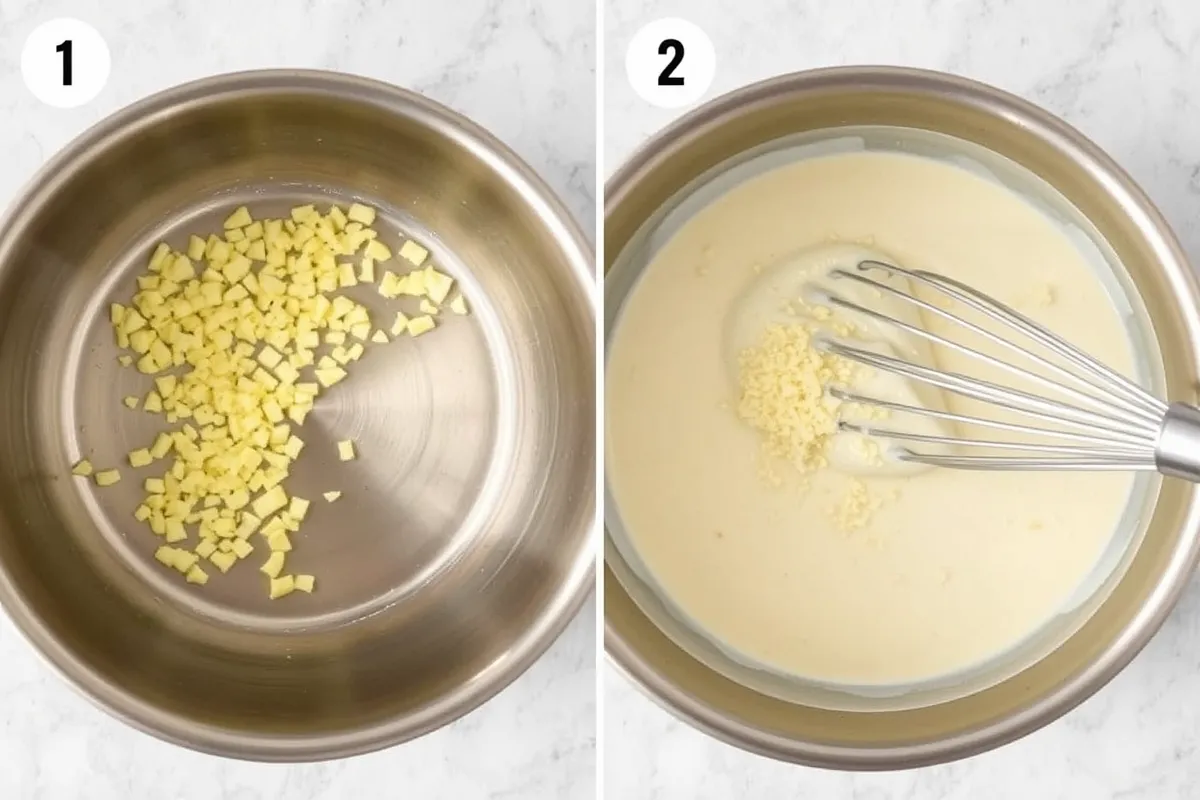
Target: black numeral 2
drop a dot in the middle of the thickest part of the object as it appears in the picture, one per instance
(65, 49)
(666, 77)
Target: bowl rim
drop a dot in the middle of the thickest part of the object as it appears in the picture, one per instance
(579, 580)
(1125, 644)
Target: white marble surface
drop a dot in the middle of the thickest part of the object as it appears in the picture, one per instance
(1128, 75)
(523, 69)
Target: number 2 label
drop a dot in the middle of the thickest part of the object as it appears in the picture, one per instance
(667, 76)
(670, 63)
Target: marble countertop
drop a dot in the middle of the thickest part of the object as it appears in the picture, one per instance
(524, 70)
(1127, 75)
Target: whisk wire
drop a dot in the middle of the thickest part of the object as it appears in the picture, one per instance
(986, 391)
(1118, 440)
(1112, 380)
(1151, 416)
(1103, 421)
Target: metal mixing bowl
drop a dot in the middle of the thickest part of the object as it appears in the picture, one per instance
(1099, 637)
(462, 544)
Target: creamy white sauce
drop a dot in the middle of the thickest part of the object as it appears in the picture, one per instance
(960, 566)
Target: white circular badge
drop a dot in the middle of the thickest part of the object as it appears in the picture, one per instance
(670, 63)
(65, 63)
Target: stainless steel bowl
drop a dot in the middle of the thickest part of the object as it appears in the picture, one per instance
(1108, 632)
(462, 544)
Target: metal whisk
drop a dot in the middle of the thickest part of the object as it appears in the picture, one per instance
(1097, 418)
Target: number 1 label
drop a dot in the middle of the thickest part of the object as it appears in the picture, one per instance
(65, 63)
(65, 49)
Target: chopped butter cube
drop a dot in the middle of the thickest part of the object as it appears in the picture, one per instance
(377, 251)
(437, 285)
(413, 253)
(420, 325)
(223, 560)
(346, 450)
(238, 219)
(269, 502)
(273, 565)
(108, 477)
(361, 213)
(282, 587)
(298, 508)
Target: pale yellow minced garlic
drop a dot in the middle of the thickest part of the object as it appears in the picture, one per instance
(782, 383)
(856, 509)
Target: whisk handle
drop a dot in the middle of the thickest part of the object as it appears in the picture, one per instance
(1177, 452)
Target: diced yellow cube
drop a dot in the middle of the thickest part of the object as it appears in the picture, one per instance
(420, 325)
(298, 508)
(273, 565)
(437, 285)
(377, 251)
(238, 219)
(361, 213)
(107, 477)
(270, 502)
(329, 376)
(282, 587)
(223, 560)
(413, 253)
(195, 248)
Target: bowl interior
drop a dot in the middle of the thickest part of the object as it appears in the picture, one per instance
(1099, 636)
(460, 543)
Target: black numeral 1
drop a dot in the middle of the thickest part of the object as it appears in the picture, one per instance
(65, 49)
